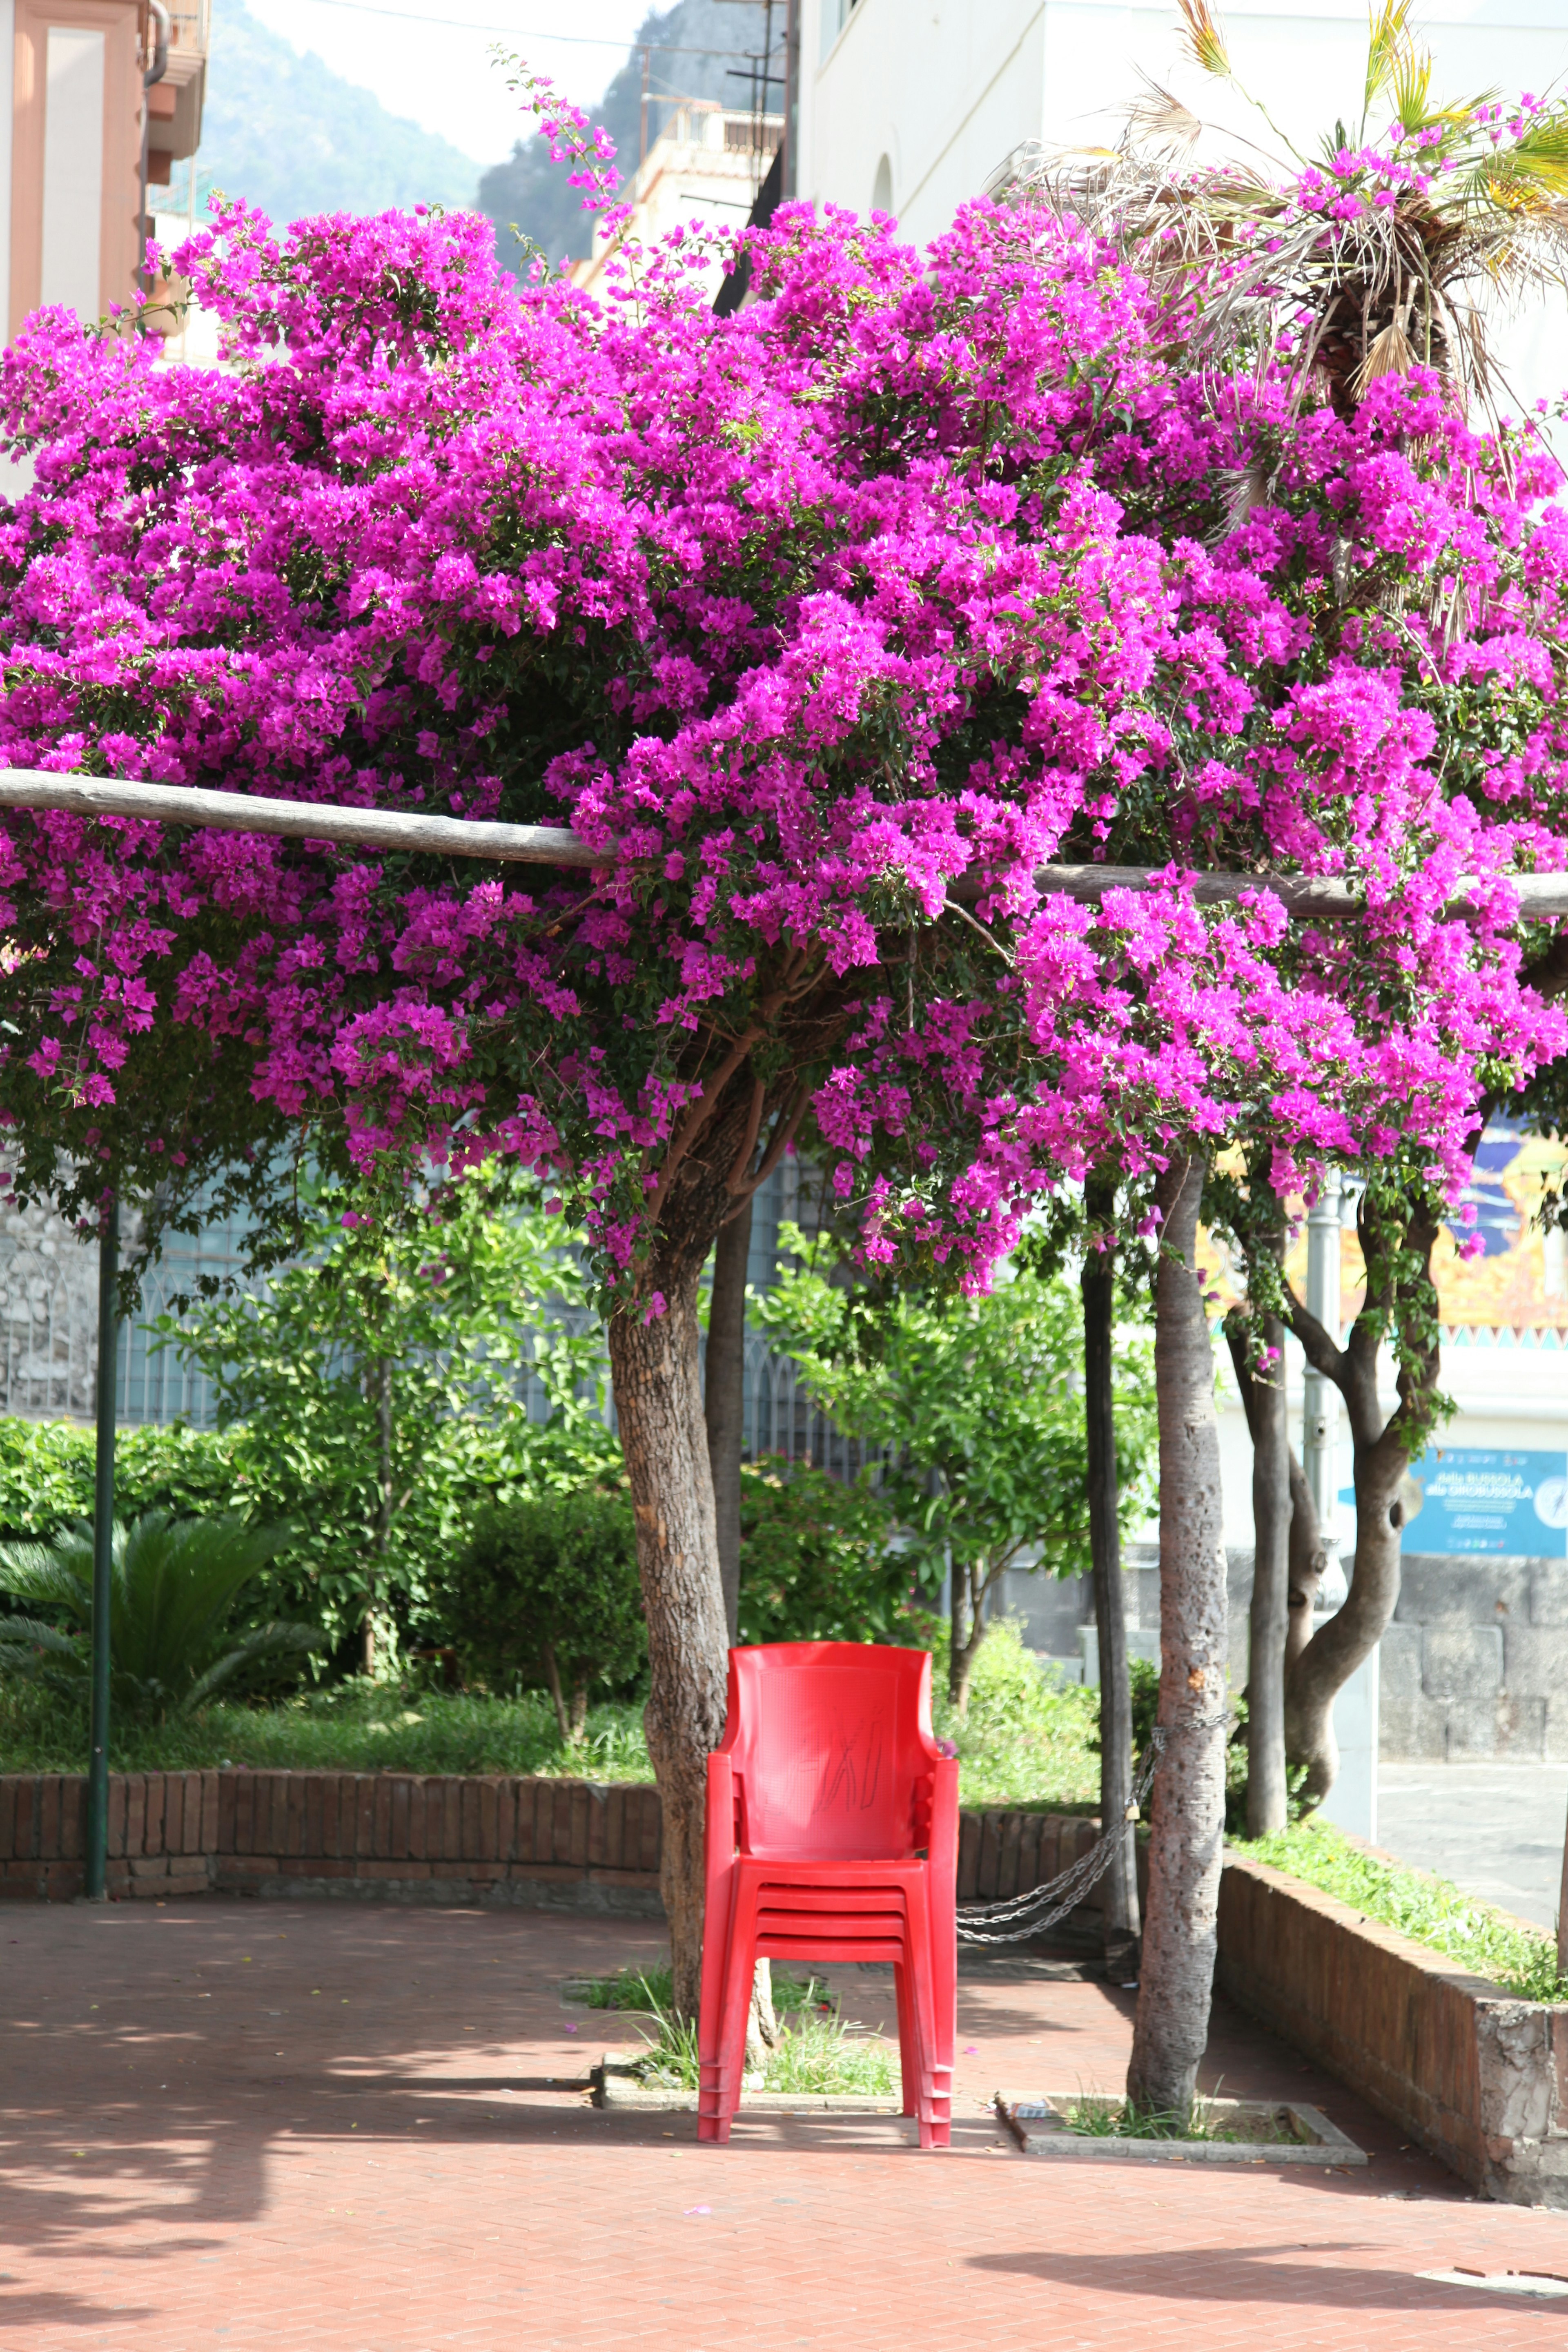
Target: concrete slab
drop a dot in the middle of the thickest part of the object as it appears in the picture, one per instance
(1495, 1828)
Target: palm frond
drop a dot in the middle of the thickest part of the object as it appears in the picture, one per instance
(1387, 44)
(1158, 120)
(269, 1641)
(25, 1636)
(1205, 42)
(60, 1573)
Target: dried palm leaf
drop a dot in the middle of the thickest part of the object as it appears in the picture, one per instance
(1205, 42)
(1388, 354)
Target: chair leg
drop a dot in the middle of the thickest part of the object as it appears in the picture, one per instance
(909, 2068)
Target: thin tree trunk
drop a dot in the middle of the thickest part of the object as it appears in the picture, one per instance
(1186, 1842)
(384, 1511)
(1382, 1452)
(656, 1367)
(1120, 1919)
(724, 1400)
(558, 1696)
(1563, 1917)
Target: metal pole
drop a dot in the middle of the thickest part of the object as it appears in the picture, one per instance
(1321, 1398)
(97, 1871)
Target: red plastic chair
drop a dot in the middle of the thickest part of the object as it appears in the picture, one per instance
(832, 1835)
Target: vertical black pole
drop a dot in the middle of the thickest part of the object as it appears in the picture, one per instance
(97, 1871)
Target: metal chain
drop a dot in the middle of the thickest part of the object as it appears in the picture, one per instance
(1022, 1915)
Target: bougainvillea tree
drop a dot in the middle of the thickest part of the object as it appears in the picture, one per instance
(825, 625)
(753, 605)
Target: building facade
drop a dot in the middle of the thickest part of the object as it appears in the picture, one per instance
(87, 131)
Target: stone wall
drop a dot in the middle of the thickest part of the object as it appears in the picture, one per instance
(1474, 1663)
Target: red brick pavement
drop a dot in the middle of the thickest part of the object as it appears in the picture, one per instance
(242, 2127)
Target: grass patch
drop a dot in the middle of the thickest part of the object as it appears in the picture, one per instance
(355, 1727)
(1094, 2115)
(652, 1989)
(1026, 1742)
(1519, 1959)
(816, 2056)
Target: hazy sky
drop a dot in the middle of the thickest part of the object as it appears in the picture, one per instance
(429, 59)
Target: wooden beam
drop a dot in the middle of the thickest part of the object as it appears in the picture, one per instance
(1541, 895)
(441, 836)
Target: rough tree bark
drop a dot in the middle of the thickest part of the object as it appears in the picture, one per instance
(724, 1399)
(1119, 1902)
(655, 1366)
(1383, 1453)
(1186, 1842)
(1309, 1566)
(1268, 1619)
(725, 1144)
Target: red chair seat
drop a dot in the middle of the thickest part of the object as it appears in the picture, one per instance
(832, 1835)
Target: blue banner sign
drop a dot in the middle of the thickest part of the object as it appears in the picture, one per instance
(1467, 1498)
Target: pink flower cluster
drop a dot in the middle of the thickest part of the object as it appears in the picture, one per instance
(829, 623)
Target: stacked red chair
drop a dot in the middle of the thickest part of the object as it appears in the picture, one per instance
(832, 1835)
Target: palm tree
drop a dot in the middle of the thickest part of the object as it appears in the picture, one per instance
(174, 1585)
(1387, 249)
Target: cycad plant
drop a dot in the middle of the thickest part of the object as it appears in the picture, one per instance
(1383, 252)
(174, 1585)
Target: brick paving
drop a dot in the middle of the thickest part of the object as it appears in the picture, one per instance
(236, 2125)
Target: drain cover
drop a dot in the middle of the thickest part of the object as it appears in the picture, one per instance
(1536, 2282)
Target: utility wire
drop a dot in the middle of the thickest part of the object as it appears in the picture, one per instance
(524, 32)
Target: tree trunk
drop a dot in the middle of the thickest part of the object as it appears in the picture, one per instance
(656, 1367)
(1186, 1843)
(1309, 1565)
(762, 2022)
(1383, 1453)
(1267, 1792)
(970, 1585)
(1119, 1901)
(725, 1400)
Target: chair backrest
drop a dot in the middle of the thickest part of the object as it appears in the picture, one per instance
(831, 1743)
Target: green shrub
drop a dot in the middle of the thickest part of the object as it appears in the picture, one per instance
(174, 1585)
(546, 1591)
(1026, 1739)
(816, 1562)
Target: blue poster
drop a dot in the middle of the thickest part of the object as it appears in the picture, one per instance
(1468, 1498)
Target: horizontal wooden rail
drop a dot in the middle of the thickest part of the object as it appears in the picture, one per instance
(1541, 895)
(443, 837)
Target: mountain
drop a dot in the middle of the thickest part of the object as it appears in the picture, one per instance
(694, 48)
(284, 132)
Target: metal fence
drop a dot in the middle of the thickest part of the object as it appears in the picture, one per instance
(48, 1333)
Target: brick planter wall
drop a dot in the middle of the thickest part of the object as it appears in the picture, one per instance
(1478, 2078)
(566, 1845)
(547, 1843)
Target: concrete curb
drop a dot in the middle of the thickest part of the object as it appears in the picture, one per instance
(1048, 2137)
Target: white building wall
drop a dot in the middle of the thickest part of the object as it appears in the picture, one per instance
(73, 168)
(946, 89)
